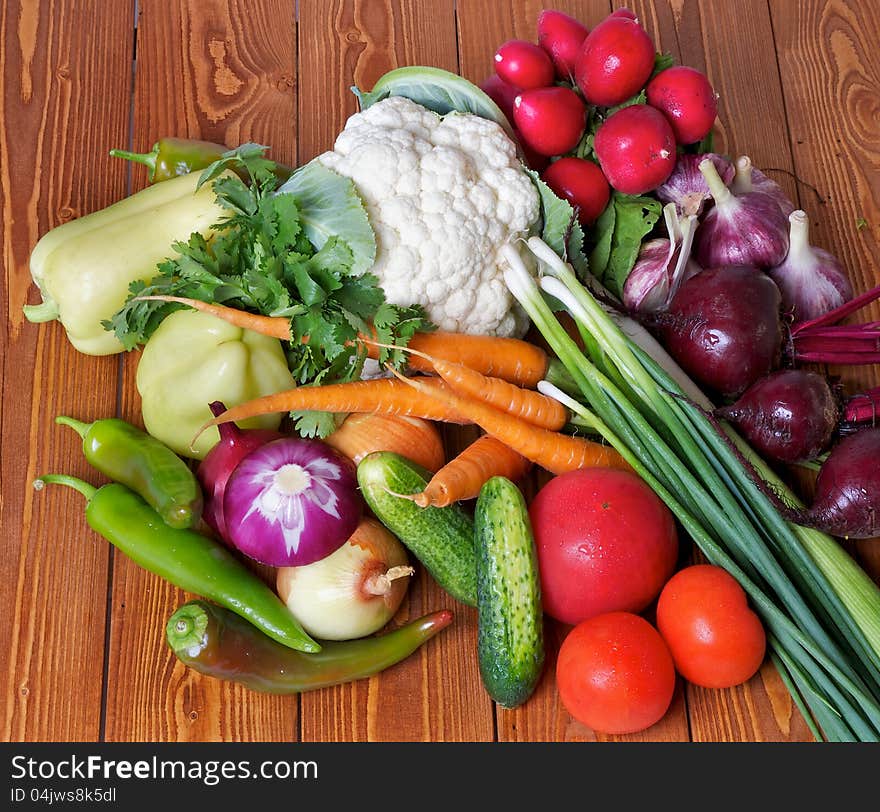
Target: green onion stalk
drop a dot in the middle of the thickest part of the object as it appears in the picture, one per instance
(820, 609)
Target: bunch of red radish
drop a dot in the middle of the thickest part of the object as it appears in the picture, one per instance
(550, 90)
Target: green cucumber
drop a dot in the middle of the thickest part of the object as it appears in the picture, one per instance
(510, 619)
(442, 539)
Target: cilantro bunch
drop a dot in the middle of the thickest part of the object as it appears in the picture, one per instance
(300, 250)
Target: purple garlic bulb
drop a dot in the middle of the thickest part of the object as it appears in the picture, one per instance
(811, 280)
(744, 229)
(687, 188)
(749, 179)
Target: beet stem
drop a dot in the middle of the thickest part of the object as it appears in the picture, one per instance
(839, 313)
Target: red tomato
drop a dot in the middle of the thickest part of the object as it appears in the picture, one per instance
(614, 673)
(524, 64)
(605, 543)
(582, 183)
(716, 640)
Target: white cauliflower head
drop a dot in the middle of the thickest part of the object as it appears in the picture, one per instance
(443, 195)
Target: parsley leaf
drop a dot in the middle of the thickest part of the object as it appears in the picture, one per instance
(298, 251)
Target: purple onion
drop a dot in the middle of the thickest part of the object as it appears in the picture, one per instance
(745, 229)
(748, 179)
(215, 469)
(686, 186)
(811, 280)
(291, 502)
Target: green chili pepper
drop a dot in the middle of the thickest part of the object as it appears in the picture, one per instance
(219, 644)
(128, 455)
(171, 157)
(187, 559)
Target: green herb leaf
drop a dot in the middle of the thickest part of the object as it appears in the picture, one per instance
(559, 226)
(617, 237)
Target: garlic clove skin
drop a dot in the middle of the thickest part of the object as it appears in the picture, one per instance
(744, 229)
(661, 266)
(749, 179)
(812, 281)
(687, 188)
(646, 289)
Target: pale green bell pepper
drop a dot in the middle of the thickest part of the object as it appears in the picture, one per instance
(193, 359)
(83, 267)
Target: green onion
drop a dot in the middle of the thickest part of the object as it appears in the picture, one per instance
(820, 609)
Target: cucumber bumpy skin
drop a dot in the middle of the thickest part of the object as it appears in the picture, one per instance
(442, 539)
(510, 620)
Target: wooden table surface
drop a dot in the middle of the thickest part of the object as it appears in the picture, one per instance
(82, 653)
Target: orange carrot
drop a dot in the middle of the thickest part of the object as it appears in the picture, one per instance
(275, 326)
(464, 475)
(553, 451)
(376, 396)
(510, 359)
(526, 404)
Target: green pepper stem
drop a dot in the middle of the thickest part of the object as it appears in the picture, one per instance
(77, 425)
(71, 481)
(148, 159)
(44, 311)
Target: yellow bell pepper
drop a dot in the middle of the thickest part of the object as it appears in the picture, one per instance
(193, 359)
(83, 268)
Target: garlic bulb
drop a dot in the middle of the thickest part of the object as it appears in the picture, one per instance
(811, 280)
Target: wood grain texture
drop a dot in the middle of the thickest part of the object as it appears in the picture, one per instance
(435, 695)
(222, 72)
(52, 136)
(830, 71)
(799, 84)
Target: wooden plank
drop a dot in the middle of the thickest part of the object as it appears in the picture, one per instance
(435, 694)
(733, 44)
(831, 78)
(65, 93)
(222, 72)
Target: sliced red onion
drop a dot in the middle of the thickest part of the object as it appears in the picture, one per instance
(686, 186)
(291, 502)
(215, 469)
(811, 280)
(745, 229)
(661, 266)
(749, 179)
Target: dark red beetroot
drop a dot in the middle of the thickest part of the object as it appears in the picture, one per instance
(847, 495)
(582, 183)
(551, 120)
(615, 61)
(215, 469)
(787, 416)
(561, 36)
(723, 327)
(636, 149)
(685, 96)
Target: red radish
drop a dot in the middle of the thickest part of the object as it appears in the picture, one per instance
(533, 160)
(582, 183)
(550, 119)
(524, 64)
(625, 13)
(615, 62)
(723, 327)
(561, 36)
(501, 92)
(788, 416)
(636, 149)
(685, 96)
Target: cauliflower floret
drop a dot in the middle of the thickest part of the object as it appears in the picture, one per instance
(443, 194)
